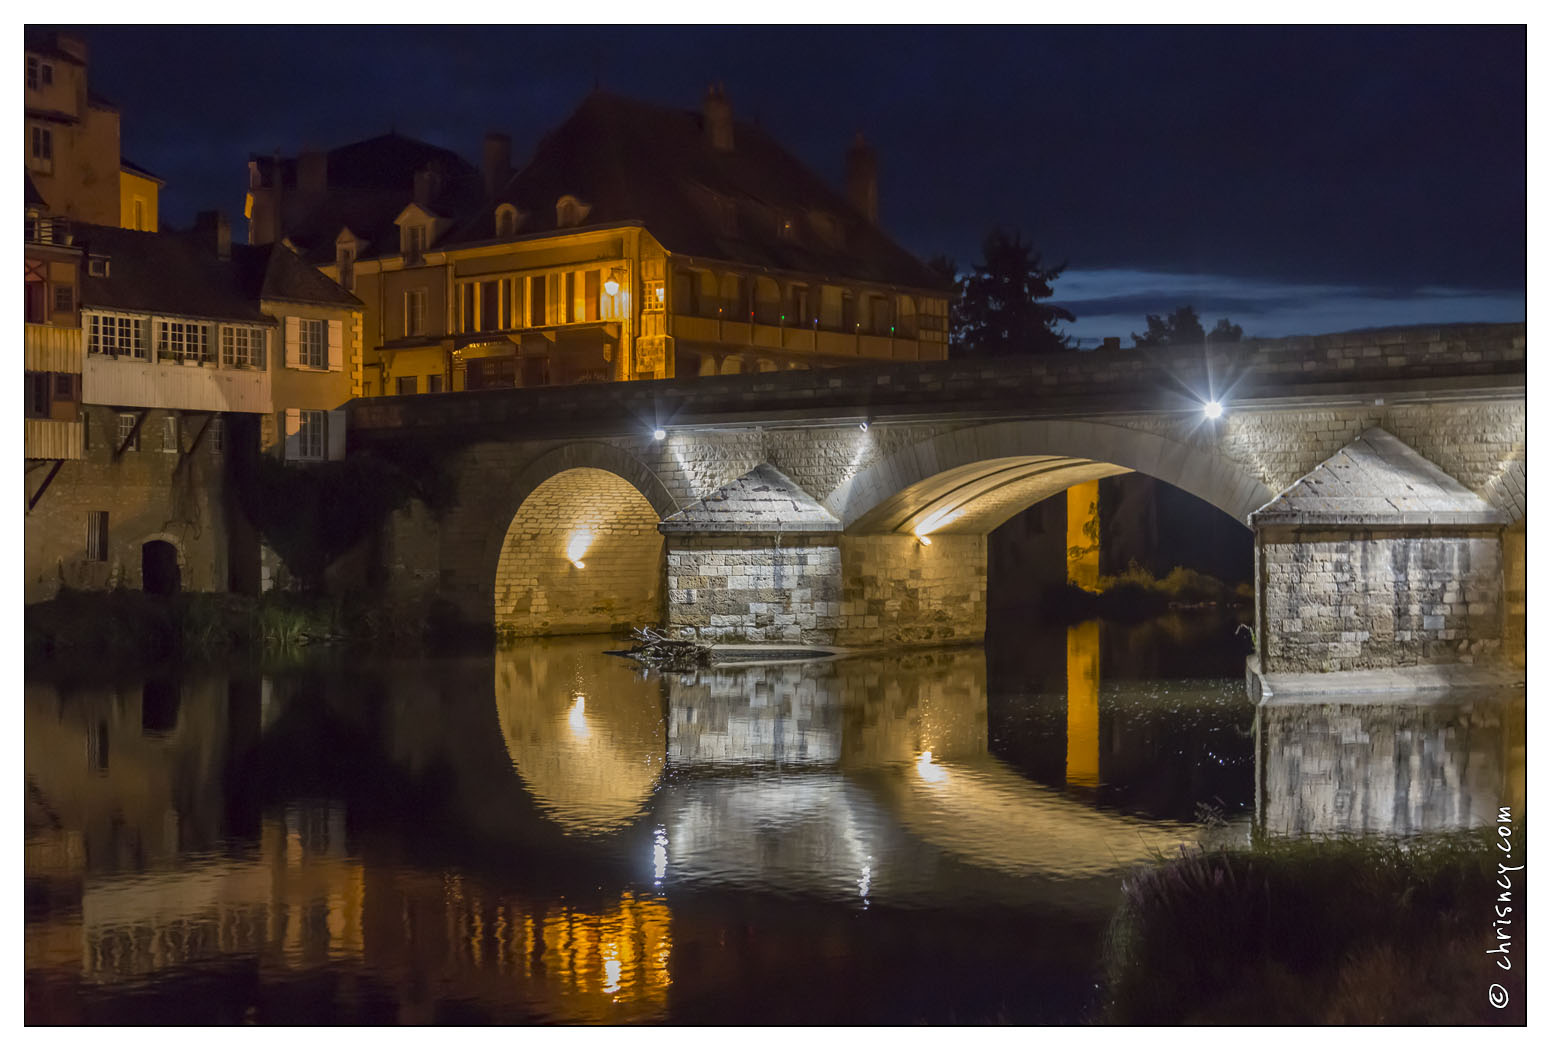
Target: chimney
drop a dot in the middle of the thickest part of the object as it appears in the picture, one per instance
(213, 229)
(72, 45)
(1111, 343)
(497, 162)
(862, 178)
(718, 118)
(312, 172)
(428, 183)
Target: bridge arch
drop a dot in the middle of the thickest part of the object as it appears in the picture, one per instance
(973, 479)
(580, 551)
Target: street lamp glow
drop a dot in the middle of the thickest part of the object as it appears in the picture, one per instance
(659, 434)
(1213, 409)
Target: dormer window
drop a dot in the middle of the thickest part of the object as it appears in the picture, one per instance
(97, 266)
(569, 211)
(414, 242)
(786, 228)
(506, 221)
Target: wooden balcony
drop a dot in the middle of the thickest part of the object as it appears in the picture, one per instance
(128, 382)
(51, 348)
(54, 439)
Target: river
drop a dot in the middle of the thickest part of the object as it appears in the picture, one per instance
(548, 834)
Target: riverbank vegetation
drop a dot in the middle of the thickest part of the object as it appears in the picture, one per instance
(1138, 595)
(1336, 931)
(122, 628)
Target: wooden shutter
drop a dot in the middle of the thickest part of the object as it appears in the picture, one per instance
(335, 431)
(293, 343)
(293, 433)
(336, 346)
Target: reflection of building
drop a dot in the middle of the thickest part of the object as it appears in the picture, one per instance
(638, 242)
(1365, 767)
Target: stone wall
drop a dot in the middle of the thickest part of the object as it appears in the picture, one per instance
(149, 493)
(898, 590)
(754, 589)
(1350, 599)
(582, 516)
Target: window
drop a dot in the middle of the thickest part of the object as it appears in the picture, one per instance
(97, 266)
(170, 435)
(34, 72)
(64, 299)
(407, 385)
(128, 431)
(185, 341)
(40, 154)
(311, 443)
(64, 386)
(312, 344)
(139, 214)
(536, 301)
(38, 388)
(786, 229)
(414, 312)
(414, 243)
(569, 211)
(489, 306)
(116, 335)
(505, 221)
(97, 536)
(217, 437)
(433, 385)
(242, 347)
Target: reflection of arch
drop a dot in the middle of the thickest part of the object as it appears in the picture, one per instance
(161, 565)
(589, 745)
(972, 480)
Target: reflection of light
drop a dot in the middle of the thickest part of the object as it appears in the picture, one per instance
(865, 883)
(935, 521)
(611, 972)
(928, 770)
(1212, 409)
(578, 717)
(926, 541)
(580, 541)
(660, 854)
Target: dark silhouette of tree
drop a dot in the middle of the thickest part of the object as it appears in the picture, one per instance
(1183, 327)
(998, 309)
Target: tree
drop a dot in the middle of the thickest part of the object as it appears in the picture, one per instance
(996, 308)
(1183, 328)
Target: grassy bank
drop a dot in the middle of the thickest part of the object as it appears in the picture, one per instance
(130, 628)
(1316, 932)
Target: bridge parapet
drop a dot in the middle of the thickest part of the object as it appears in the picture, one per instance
(1139, 380)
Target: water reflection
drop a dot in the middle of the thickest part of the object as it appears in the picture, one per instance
(578, 841)
(585, 734)
(1359, 766)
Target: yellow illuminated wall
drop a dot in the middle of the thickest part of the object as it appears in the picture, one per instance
(1082, 704)
(138, 201)
(1082, 535)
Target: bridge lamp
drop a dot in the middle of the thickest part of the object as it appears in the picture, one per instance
(578, 546)
(926, 541)
(863, 426)
(659, 434)
(1212, 409)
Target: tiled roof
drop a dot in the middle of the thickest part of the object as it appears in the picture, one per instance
(1377, 480)
(179, 273)
(632, 161)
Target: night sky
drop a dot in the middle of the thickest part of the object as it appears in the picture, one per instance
(1296, 180)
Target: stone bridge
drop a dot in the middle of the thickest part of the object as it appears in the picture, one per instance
(1382, 472)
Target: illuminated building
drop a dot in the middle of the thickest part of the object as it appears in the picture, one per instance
(72, 142)
(639, 242)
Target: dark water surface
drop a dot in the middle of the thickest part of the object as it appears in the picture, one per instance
(549, 835)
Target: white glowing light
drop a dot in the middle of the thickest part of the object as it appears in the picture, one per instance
(660, 855)
(577, 547)
(928, 770)
(1212, 409)
(578, 717)
(926, 541)
(659, 434)
(864, 425)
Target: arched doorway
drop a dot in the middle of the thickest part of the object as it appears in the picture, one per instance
(159, 572)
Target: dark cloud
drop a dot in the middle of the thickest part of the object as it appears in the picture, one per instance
(1375, 157)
